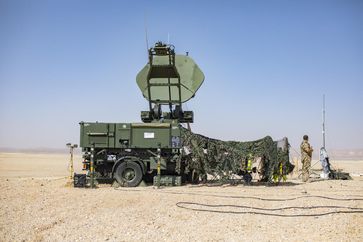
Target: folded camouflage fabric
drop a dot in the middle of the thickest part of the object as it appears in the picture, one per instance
(224, 158)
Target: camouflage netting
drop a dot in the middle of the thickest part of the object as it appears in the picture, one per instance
(225, 158)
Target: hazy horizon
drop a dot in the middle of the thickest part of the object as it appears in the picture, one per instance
(266, 65)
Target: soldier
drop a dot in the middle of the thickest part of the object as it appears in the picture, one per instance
(306, 153)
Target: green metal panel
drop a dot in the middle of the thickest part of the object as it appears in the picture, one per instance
(81, 136)
(111, 135)
(97, 134)
(153, 135)
(191, 78)
(123, 135)
(102, 135)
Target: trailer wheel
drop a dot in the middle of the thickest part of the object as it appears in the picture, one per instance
(128, 174)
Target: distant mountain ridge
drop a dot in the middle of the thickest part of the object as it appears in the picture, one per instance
(346, 154)
(38, 150)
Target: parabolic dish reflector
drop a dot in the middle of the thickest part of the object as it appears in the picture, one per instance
(191, 78)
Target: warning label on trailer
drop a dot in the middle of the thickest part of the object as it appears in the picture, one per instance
(149, 135)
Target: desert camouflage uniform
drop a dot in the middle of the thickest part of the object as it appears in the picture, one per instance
(306, 153)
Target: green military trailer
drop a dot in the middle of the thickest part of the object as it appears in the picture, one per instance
(130, 152)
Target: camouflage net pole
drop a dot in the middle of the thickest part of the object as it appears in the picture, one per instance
(225, 158)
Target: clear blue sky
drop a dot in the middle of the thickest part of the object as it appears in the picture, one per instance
(267, 65)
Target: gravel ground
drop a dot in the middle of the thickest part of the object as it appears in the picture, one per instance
(38, 206)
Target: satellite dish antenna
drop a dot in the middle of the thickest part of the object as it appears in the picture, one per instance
(169, 79)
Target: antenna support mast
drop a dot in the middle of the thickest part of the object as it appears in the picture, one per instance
(323, 131)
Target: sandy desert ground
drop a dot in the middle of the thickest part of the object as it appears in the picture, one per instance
(37, 206)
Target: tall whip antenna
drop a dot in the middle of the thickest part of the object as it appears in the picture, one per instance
(323, 132)
(146, 37)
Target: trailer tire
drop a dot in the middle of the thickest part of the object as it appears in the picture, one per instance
(128, 174)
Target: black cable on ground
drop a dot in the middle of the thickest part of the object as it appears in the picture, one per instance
(247, 197)
(266, 209)
(182, 205)
(267, 199)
